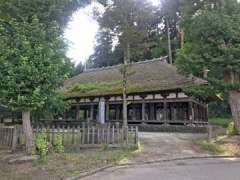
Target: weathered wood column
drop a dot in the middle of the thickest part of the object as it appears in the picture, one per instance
(206, 113)
(165, 111)
(117, 112)
(191, 112)
(143, 107)
(77, 112)
(134, 109)
(165, 118)
(65, 114)
(92, 109)
(101, 111)
(107, 109)
(152, 111)
(91, 112)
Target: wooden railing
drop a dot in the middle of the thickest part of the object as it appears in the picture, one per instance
(8, 136)
(91, 135)
(73, 136)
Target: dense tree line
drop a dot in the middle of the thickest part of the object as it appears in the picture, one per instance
(146, 31)
(200, 36)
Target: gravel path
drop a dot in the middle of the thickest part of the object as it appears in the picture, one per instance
(168, 145)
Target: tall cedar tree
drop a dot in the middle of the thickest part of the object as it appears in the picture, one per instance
(213, 43)
(139, 15)
(129, 21)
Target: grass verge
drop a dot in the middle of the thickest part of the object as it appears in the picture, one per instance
(61, 166)
(223, 122)
(222, 145)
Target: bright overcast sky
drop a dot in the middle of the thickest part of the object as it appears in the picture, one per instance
(81, 32)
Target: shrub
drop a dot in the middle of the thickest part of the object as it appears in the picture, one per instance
(57, 143)
(211, 147)
(41, 144)
(223, 122)
(231, 129)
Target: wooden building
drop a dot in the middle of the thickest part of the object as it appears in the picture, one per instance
(155, 95)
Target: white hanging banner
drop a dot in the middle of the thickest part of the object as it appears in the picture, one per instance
(101, 108)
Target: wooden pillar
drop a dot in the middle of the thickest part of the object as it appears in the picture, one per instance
(101, 111)
(152, 111)
(117, 112)
(175, 109)
(91, 112)
(134, 109)
(201, 113)
(206, 113)
(78, 112)
(165, 111)
(191, 112)
(195, 112)
(85, 113)
(143, 110)
(65, 115)
(107, 111)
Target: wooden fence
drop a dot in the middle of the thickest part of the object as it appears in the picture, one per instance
(78, 136)
(8, 136)
(91, 135)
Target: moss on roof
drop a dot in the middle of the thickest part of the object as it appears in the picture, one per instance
(153, 75)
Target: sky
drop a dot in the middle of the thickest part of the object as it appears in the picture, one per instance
(81, 31)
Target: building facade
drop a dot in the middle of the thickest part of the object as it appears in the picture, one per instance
(154, 94)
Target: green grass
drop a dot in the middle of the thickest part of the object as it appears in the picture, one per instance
(212, 147)
(223, 145)
(223, 122)
(61, 166)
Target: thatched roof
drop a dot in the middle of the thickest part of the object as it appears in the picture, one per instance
(145, 76)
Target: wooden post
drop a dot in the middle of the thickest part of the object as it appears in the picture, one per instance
(152, 111)
(79, 134)
(98, 135)
(63, 135)
(134, 110)
(143, 110)
(91, 112)
(88, 134)
(53, 133)
(73, 135)
(117, 112)
(165, 111)
(127, 135)
(191, 112)
(83, 133)
(93, 135)
(136, 135)
(113, 135)
(14, 139)
(210, 132)
(78, 112)
(108, 134)
(107, 111)
(117, 127)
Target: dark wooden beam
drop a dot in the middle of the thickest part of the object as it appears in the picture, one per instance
(165, 111)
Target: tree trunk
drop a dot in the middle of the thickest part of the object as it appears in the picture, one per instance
(181, 38)
(27, 129)
(126, 61)
(169, 44)
(234, 101)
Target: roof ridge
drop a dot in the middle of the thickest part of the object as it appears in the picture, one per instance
(114, 66)
(132, 63)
